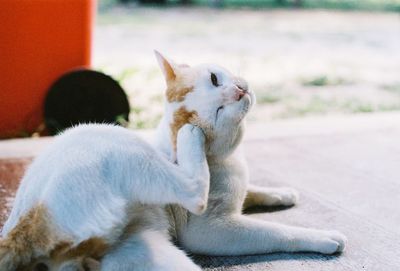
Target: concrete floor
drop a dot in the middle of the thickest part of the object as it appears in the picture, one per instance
(347, 170)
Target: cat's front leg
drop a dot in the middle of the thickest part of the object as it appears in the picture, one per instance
(267, 196)
(242, 235)
(185, 184)
(192, 160)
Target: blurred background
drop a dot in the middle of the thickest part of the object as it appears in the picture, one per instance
(302, 58)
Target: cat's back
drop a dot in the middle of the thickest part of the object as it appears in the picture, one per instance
(85, 149)
(78, 159)
(101, 136)
(92, 141)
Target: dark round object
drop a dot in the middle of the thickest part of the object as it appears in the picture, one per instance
(84, 96)
(41, 267)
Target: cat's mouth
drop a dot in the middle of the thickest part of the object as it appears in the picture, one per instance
(245, 102)
(218, 111)
(244, 95)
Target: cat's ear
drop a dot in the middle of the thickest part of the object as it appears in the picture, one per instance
(166, 67)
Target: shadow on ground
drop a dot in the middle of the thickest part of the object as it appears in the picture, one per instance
(265, 209)
(228, 261)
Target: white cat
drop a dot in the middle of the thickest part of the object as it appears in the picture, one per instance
(218, 102)
(87, 192)
(107, 202)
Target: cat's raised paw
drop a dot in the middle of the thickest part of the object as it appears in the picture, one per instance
(189, 133)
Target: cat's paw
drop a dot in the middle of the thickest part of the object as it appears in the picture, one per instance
(197, 199)
(190, 136)
(285, 196)
(329, 242)
(279, 196)
(196, 205)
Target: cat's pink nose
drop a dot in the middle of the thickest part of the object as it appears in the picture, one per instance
(240, 93)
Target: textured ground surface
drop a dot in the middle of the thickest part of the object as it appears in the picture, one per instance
(348, 173)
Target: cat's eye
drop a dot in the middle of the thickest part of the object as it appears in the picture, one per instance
(214, 80)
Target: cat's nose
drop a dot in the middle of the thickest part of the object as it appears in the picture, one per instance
(242, 88)
(240, 92)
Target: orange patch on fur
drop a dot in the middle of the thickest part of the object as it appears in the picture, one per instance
(94, 248)
(177, 94)
(181, 117)
(86, 253)
(33, 236)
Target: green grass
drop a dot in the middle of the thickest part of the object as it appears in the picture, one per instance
(357, 106)
(387, 5)
(381, 5)
(269, 97)
(372, 5)
(395, 88)
(125, 74)
(317, 105)
(325, 80)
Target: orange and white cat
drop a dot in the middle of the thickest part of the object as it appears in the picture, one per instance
(217, 101)
(101, 193)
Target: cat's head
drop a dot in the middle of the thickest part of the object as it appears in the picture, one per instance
(208, 96)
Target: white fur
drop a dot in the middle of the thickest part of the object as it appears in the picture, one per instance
(222, 229)
(93, 176)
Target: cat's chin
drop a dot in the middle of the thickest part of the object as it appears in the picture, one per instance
(248, 101)
(246, 104)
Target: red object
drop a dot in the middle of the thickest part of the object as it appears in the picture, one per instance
(40, 40)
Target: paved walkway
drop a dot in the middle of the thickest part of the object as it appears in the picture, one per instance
(347, 170)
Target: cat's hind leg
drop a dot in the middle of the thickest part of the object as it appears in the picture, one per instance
(147, 251)
(267, 196)
(32, 237)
